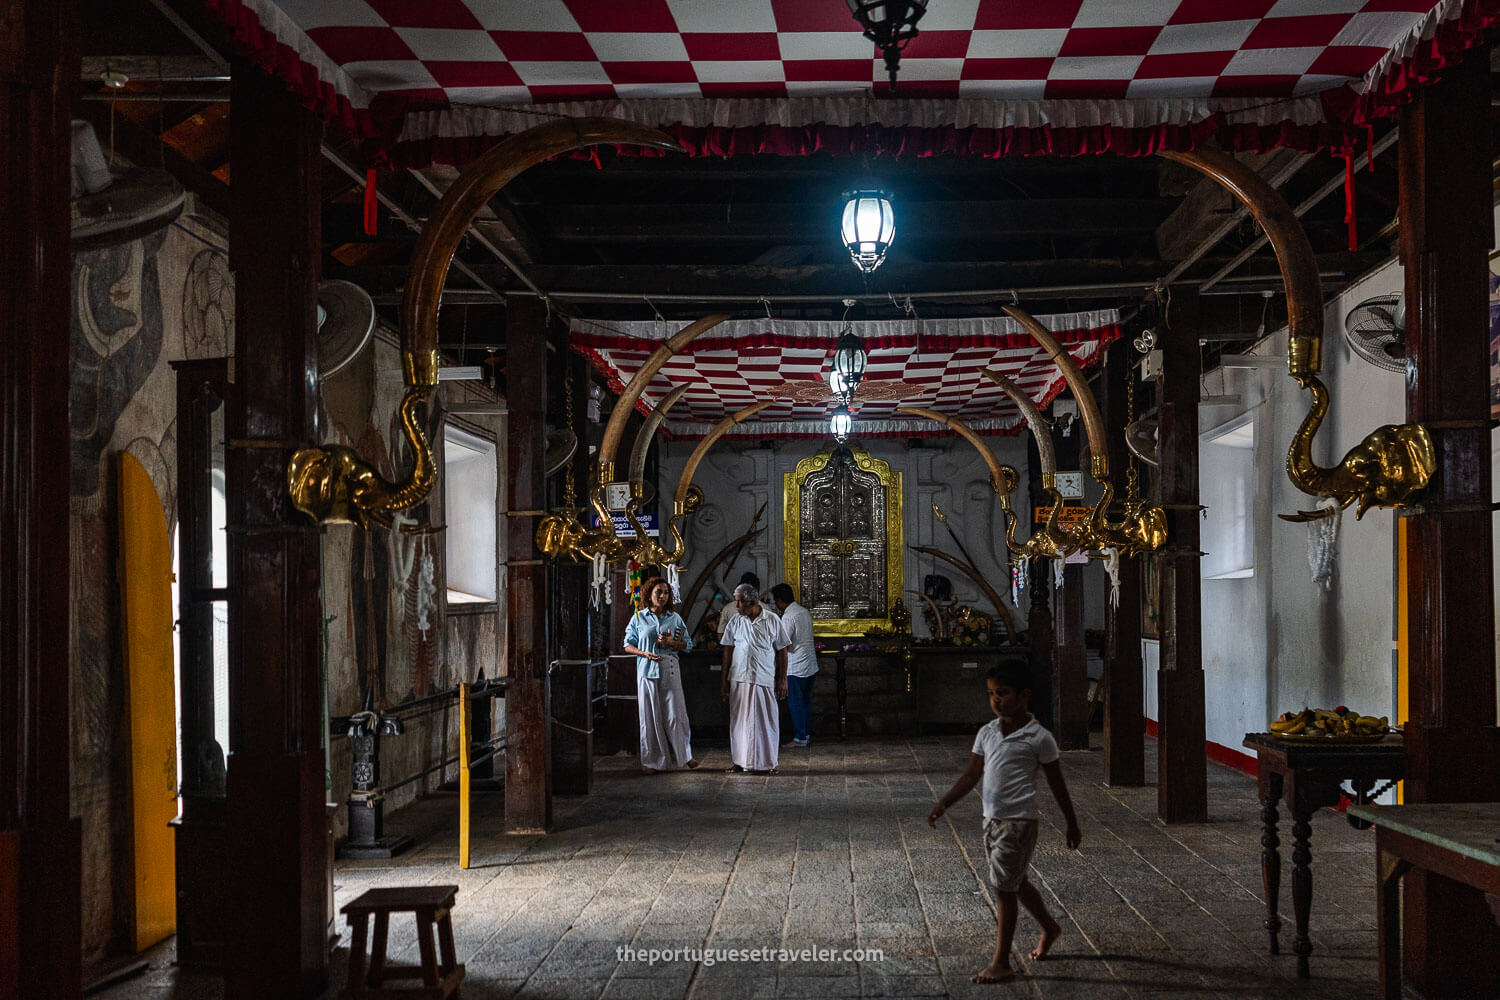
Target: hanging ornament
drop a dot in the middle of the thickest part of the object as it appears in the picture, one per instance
(1322, 543)
(1112, 567)
(599, 582)
(633, 584)
(671, 575)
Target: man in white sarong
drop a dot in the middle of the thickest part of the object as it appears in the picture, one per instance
(755, 662)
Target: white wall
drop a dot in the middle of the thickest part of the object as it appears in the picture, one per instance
(1277, 641)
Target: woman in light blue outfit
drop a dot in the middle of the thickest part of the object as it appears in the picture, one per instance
(656, 634)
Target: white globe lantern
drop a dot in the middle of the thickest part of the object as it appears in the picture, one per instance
(841, 423)
(868, 227)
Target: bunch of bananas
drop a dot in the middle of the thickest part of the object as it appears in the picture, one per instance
(1334, 723)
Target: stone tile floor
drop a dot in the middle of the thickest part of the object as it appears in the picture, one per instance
(834, 853)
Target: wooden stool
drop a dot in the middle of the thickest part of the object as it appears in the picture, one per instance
(431, 904)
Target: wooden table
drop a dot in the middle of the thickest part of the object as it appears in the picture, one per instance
(1458, 840)
(1311, 775)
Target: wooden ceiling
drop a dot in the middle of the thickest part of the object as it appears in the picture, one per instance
(631, 237)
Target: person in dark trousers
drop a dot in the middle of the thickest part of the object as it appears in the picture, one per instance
(801, 661)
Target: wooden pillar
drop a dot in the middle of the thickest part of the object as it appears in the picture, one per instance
(1182, 767)
(528, 777)
(1070, 679)
(1452, 947)
(1070, 670)
(1124, 696)
(569, 587)
(39, 840)
(277, 874)
(1039, 585)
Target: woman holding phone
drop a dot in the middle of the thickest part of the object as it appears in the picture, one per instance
(656, 634)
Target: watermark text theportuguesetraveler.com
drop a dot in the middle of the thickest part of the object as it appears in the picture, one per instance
(713, 956)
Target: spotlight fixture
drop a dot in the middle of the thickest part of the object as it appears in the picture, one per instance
(841, 423)
(868, 226)
(1145, 340)
(890, 24)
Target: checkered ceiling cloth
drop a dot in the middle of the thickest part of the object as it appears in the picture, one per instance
(1060, 63)
(934, 364)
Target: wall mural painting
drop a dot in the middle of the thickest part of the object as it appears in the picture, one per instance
(1495, 336)
(117, 339)
(207, 306)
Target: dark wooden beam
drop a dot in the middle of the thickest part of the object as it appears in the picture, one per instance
(754, 280)
(1208, 205)
(40, 842)
(800, 222)
(1124, 695)
(528, 776)
(277, 880)
(1452, 947)
(1182, 767)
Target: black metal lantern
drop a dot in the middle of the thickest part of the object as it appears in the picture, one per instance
(890, 24)
(868, 227)
(841, 423)
(849, 360)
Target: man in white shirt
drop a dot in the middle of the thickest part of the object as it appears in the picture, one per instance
(801, 661)
(755, 658)
(729, 612)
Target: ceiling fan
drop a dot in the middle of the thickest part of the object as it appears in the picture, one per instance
(111, 206)
(1376, 331)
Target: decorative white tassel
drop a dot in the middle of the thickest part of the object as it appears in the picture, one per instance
(671, 571)
(1057, 571)
(403, 548)
(426, 594)
(1112, 567)
(598, 582)
(1322, 542)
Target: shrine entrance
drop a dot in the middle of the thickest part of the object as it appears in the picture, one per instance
(843, 539)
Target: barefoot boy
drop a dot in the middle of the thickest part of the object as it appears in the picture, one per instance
(1007, 755)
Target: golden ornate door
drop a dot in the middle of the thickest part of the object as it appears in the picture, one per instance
(843, 539)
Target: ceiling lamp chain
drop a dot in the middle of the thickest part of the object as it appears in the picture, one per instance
(890, 24)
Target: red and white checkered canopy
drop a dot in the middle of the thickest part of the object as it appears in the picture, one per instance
(934, 364)
(1254, 72)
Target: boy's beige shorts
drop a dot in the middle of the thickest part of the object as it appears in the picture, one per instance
(1009, 844)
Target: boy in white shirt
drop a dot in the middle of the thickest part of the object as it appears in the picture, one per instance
(1006, 757)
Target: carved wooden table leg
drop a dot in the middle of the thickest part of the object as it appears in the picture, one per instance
(1301, 885)
(1270, 861)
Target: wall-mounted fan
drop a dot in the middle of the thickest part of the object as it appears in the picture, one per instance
(111, 206)
(1140, 438)
(1376, 331)
(346, 322)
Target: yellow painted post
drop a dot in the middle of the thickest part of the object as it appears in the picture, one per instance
(463, 775)
(1403, 639)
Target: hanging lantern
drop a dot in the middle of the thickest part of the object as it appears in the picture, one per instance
(868, 227)
(841, 423)
(890, 24)
(848, 368)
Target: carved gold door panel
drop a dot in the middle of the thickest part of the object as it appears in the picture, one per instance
(843, 539)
